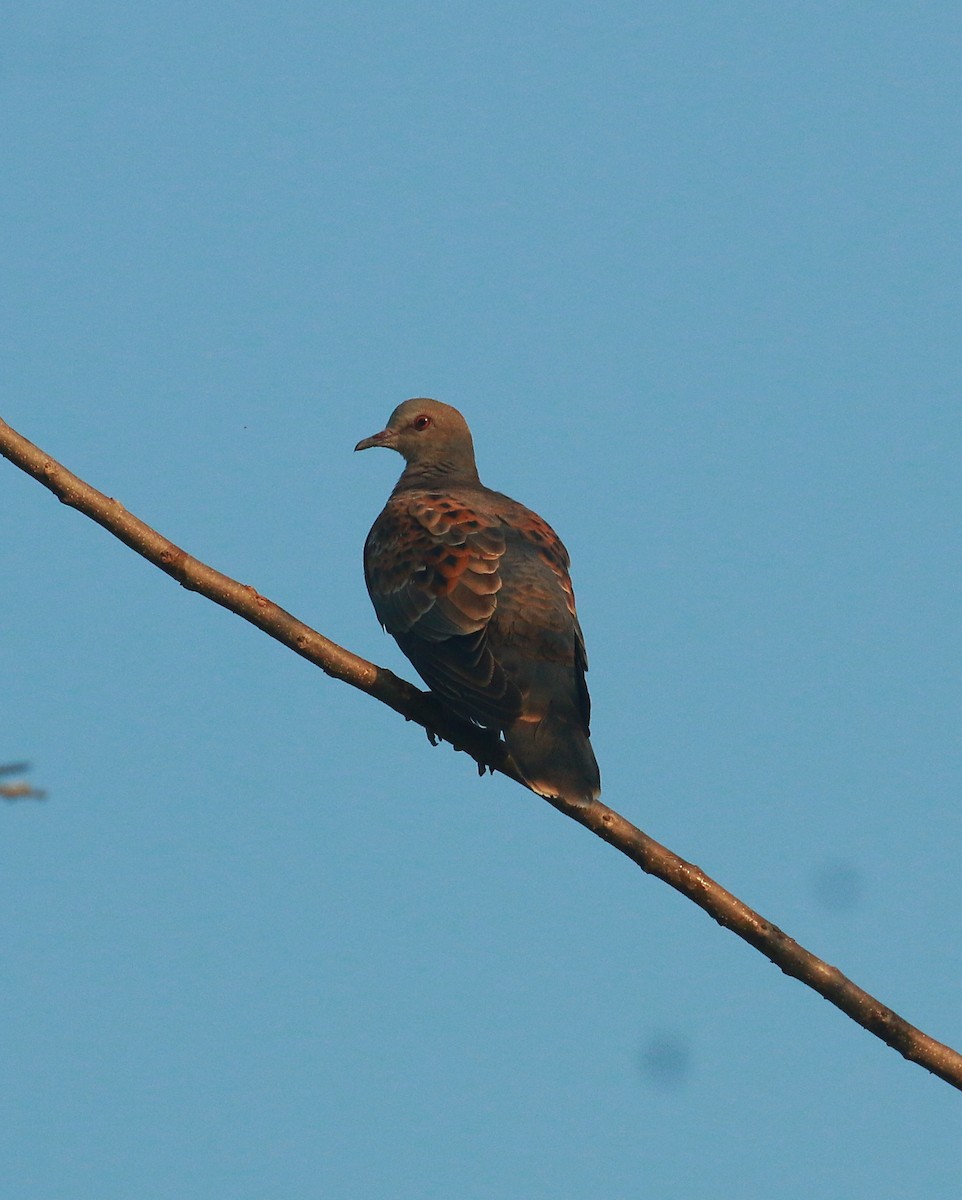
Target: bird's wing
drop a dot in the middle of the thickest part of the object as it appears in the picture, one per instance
(432, 565)
(537, 615)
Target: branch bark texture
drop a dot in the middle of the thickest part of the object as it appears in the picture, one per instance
(418, 706)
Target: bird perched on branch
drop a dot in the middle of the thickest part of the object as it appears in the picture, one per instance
(474, 588)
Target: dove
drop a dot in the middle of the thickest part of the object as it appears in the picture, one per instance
(475, 590)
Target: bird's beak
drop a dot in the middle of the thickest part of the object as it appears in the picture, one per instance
(386, 437)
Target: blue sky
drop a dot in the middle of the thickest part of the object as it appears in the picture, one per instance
(692, 273)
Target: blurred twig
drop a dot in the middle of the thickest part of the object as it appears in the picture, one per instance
(419, 706)
(17, 790)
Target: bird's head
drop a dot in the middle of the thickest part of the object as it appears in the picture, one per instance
(432, 438)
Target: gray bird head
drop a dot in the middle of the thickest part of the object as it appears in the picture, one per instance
(433, 439)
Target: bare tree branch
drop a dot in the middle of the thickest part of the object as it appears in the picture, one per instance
(420, 707)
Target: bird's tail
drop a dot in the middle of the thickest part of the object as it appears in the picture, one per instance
(554, 755)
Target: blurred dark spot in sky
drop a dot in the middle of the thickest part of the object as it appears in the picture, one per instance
(837, 886)
(665, 1060)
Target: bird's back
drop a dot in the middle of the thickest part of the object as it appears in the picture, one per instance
(475, 588)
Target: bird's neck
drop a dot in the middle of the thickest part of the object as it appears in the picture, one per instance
(438, 474)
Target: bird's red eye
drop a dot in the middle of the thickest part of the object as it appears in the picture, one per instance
(421, 423)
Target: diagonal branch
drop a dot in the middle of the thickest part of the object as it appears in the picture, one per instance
(418, 706)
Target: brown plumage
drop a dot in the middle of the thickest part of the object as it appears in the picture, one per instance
(474, 587)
